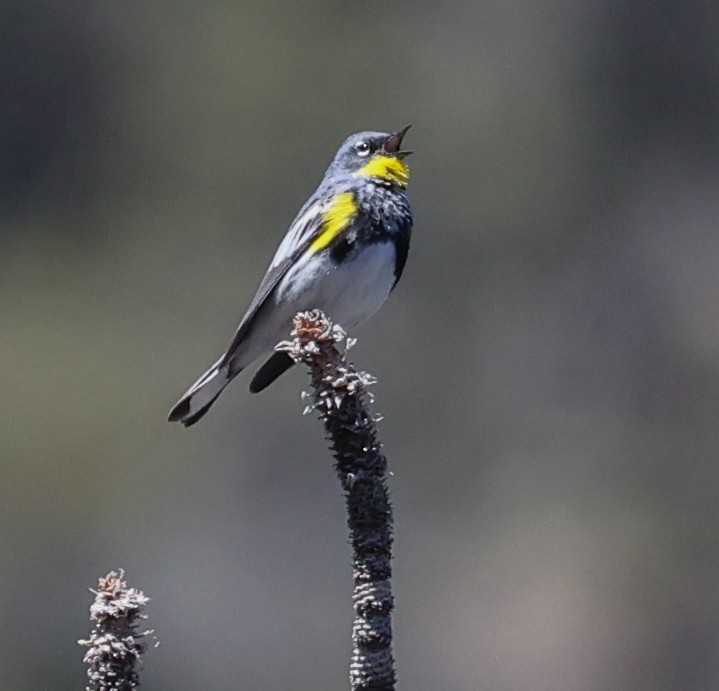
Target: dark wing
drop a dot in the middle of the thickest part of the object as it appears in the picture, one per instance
(303, 230)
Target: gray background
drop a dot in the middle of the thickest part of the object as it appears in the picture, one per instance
(548, 365)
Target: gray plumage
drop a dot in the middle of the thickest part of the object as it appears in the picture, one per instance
(349, 279)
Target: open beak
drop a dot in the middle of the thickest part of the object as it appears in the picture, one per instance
(394, 142)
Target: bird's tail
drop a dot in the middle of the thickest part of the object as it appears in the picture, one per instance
(202, 394)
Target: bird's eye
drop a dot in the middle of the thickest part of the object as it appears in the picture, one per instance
(362, 148)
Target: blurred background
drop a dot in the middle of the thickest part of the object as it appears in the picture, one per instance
(548, 366)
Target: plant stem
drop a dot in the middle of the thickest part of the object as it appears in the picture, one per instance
(341, 399)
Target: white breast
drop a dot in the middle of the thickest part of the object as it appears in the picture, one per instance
(349, 293)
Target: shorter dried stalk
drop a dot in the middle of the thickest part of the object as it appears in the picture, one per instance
(115, 646)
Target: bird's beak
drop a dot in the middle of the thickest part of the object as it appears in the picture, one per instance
(394, 141)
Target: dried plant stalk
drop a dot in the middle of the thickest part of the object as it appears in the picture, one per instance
(340, 398)
(115, 646)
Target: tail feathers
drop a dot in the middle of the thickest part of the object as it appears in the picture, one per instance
(201, 395)
(278, 364)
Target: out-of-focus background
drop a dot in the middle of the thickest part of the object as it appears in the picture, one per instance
(549, 364)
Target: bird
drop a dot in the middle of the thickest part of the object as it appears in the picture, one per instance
(343, 254)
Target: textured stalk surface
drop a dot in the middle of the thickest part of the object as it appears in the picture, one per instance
(341, 400)
(115, 646)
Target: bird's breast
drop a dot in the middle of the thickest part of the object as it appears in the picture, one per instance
(350, 291)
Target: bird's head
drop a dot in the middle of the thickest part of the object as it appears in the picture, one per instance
(374, 155)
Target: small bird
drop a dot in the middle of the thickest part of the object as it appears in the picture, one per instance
(343, 254)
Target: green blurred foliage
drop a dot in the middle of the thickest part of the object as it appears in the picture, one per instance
(548, 366)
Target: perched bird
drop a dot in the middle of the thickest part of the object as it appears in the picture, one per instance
(343, 254)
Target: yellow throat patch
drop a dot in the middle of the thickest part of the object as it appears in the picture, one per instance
(337, 217)
(388, 168)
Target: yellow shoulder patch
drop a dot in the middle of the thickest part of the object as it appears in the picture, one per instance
(389, 168)
(337, 217)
